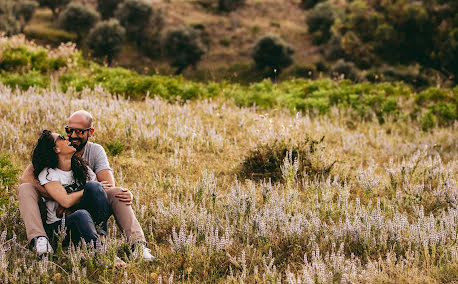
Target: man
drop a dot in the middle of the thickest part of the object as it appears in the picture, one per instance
(79, 129)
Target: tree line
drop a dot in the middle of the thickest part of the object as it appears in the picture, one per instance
(371, 37)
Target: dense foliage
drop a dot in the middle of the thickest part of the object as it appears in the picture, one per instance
(78, 18)
(368, 101)
(372, 33)
(184, 47)
(105, 39)
(273, 54)
(107, 8)
(136, 17)
(15, 15)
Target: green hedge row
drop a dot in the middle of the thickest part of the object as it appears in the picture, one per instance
(24, 67)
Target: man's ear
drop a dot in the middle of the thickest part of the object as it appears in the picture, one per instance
(91, 132)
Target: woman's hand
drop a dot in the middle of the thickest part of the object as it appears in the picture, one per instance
(125, 196)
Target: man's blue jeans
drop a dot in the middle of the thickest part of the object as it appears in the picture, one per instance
(92, 211)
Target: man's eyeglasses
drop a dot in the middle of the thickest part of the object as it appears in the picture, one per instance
(78, 131)
(60, 136)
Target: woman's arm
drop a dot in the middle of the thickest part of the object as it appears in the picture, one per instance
(59, 194)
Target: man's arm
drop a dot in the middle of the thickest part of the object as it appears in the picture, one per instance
(28, 177)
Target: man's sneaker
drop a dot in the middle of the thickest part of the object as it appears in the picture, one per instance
(140, 250)
(43, 246)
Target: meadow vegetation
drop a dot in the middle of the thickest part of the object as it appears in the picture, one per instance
(298, 182)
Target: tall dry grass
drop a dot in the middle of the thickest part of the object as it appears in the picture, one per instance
(387, 212)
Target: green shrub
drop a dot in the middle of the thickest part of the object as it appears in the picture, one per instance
(26, 80)
(115, 147)
(136, 16)
(184, 47)
(21, 59)
(8, 177)
(264, 162)
(105, 39)
(107, 8)
(273, 53)
(8, 171)
(319, 21)
(78, 18)
(8, 22)
(346, 69)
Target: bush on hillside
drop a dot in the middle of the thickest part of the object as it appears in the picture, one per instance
(344, 69)
(56, 7)
(137, 17)
(230, 5)
(265, 161)
(319, 21)
(273, 53)
(150, 42)
(8, 22)
(105, 39)
(107, 8)
(78, 18)
(24, 11)
(184, 47)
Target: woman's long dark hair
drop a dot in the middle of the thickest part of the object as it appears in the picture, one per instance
(44, 156)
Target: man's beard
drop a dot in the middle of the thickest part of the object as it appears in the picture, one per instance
(80, 146)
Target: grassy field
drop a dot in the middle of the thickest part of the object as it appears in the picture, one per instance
(231, 192)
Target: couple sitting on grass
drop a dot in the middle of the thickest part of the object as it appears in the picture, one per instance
(73, 179)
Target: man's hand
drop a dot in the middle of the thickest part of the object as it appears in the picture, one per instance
(125, 196)
(60, 211)
(106, 185)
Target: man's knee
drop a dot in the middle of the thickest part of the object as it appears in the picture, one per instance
(27, 191)
(112, 192)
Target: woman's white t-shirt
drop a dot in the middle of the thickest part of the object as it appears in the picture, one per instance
(67, 180)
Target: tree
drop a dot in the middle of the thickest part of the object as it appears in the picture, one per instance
(273, 53)
(107, 8)
(136, 17)
(319, 21)
(56, 7)
(106, 38)
(24, 11)
(183, 46)
(78, 18)
(8, 22)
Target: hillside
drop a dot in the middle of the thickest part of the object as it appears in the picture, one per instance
(231, 35)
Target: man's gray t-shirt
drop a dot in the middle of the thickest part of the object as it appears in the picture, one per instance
(96, 157)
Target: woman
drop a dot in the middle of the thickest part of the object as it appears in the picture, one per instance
(70, 183)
